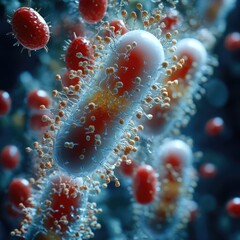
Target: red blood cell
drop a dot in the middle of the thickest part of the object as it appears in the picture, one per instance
(67, 81)
(214, 126)
(119, 27)
(19, 191)
(144, 184)
(65, 202)
(233, 207)
(37, 98)
(92, 11)
(208, 170)
(10, 157)
(30, 29)
(128, 169)
(83, 47)
(36, 122)
(193, 210)
(5, 103)
(232, 41)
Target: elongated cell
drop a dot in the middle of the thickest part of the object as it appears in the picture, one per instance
(57, 209)
(192, 57)
(98, 120)
(171, 205)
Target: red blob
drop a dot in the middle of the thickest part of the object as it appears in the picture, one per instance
(233, 207)
(10, 157)
(37, 98)
(64, 203)
(36, 122)
(67, 81)
(170, 20)
(144, 184)
(82, 46)
(5, 103)
(232, 41)
(30, 29)
(208, 170)
(128, 169)
(92, 11)
(119, 27)
(214, 126)
(19, 191)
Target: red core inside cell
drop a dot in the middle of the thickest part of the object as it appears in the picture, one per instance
(170, 20)
(30, 28)
(19, 191)
(92, 11)
(10, 157)
(83, 48)
(144, 184)
(233, 207)
(64, 203)
(37, 98)
(5, 103)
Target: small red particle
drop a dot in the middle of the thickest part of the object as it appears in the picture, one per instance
(82, 47)
(19, 191)
(232, 41)
(214, 126)
(170, 20)
(92, 11)
(233, 207)
(37, 98)
(30, 29)
(144, 184)
(5, 103)
(10, 157)
(208, 170)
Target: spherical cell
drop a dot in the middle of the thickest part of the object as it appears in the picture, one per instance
(128, 168)
(10, 157)
(214, 126)
(208, 170)
(36, 123)
(30, 29)
(144, 184)
(37, 98)
(118, 27)
(233, 207)
(79, 50)
(232, 41)
(5, 103)
(67, 81)
(92, 11)
(19, 191)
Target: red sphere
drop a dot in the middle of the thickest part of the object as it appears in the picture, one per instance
(5, 103)
(233, 207)
(36, 123)
(208, 170)
(19, 191)
(92, 11)
(144, 184)
(82, 46)
(10, 157)
(30, 29)
(37, 98)
(119, 27)
(214, 126)
(232, 41)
